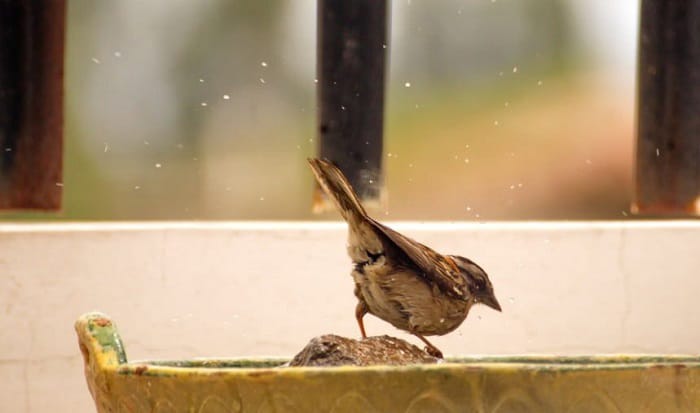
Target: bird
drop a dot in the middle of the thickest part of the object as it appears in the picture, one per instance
(399, 280)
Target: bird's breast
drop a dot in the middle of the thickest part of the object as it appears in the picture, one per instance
(403, 298)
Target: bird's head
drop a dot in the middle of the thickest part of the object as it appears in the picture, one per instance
(478, 282)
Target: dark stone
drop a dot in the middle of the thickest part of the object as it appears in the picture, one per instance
(332, 350)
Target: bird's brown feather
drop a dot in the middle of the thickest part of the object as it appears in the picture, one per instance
(432, 269)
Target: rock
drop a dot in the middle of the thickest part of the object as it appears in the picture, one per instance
(333, 350)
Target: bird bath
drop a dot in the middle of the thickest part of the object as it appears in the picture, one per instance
(643, 383)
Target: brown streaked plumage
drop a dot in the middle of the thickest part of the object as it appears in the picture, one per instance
(398, 279)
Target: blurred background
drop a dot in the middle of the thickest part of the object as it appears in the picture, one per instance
(496, 110)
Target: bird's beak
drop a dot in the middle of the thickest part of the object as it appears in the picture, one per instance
(490, 301)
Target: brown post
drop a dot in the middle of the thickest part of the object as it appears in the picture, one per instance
(31, 103)
(668, 108)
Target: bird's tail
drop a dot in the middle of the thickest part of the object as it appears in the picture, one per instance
(338, 189)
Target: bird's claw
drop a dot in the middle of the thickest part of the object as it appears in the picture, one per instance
(434, 352)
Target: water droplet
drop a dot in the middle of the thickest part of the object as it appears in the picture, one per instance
(204, 104)
(59, 184)
(117, 54)
(106, 147)
(95, 60)
(512, 187)
(506, 104)
(520, 185)
(624, 213)
(315, 80)
(410, 165)
(371, 181)
(226, 97)
(407, 84)
(511, 300)
(342, 107)
(658, 152)
(263, 64)
(388, 155)
(262, 81)
(201, 80)
(495, 123)
(515, 69)
(442, 320)
(137, 187)
(466, 160)
(262, 198)
(469, 208)
(146, 143)
(158, 165)
(539, 83)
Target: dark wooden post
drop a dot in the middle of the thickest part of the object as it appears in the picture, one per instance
(31, 103)
(668, 108)
(351, 64)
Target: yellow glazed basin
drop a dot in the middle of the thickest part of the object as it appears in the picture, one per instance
(468, 384)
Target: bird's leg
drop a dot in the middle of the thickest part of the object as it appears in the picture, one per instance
(360, 312)
(430, 349)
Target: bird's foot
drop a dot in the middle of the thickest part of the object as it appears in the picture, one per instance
(430, 348)
(433, 351)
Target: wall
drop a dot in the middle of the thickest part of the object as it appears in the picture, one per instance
(180, 290)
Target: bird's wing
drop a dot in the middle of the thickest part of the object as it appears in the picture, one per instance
(444, 272)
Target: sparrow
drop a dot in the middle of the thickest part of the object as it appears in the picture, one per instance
(399, 280)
